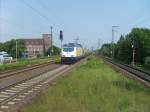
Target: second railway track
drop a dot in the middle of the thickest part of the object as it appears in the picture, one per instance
(135, 73)
(16, 71)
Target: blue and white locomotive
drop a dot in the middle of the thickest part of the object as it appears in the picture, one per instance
(71, 52)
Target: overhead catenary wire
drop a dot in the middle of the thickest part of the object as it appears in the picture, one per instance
(21, 34)
(61, 22)
(42, 4)
(143, 19)
(46, 18)
(10, 33)
(14, 34)
(13, 23)
(36, 11)
(54, 15)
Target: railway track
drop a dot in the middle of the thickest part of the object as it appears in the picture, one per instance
(140, 75)
(12, 98)
(16, 76)
(26, 68)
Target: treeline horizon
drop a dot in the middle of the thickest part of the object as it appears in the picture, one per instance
(138, 39)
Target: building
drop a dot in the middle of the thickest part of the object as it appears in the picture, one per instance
(37, 46)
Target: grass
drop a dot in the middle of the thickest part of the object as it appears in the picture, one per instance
(26, 62)
(93, 87)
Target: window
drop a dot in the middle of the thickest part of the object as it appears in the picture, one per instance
(6, 55)
(65, 49)
(71, 49)
(68, 49)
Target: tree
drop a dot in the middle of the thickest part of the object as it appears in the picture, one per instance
(139, 39)
(106, 50)
(10, 47)
(56, 51)
(123, 49)
(1, 47)
(147, 62)
(142, 43)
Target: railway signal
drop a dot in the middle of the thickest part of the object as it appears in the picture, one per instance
(61, 37)
(133, 52)
(76, 40)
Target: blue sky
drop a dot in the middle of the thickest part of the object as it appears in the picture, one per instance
(89, 20)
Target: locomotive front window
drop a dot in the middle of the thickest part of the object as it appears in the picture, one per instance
(70, 49)
(65, 49)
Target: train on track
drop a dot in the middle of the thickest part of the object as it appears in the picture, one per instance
(72, 52)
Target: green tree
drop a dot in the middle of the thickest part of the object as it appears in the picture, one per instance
(10, 47)
(106, 50)
(56, 50)
(1, 47)
(123, 49)
(139, 38)
(147, 62)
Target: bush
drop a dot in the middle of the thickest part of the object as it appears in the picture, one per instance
(147, 62)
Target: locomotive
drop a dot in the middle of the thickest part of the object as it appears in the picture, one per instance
(71, 53)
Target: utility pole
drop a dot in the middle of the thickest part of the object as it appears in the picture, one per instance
(98, 46)
(99, 43)
(112, 46)
(92, 49)
(16, 51)
(52, 50)
(76, 40)
(133, 53)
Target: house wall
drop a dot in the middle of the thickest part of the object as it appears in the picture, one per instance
(35, 47)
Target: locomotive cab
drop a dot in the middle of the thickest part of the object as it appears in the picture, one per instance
(71, 53)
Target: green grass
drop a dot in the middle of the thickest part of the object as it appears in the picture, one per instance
(26, 62)
(93, 87)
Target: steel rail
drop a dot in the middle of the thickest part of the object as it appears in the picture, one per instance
(24, 76)
(14, 72)
(39, 81)
(144, 75)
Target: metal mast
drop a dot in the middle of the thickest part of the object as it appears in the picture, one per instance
(16, 51)
(52, 40)
(112, 46)
(76, 40)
